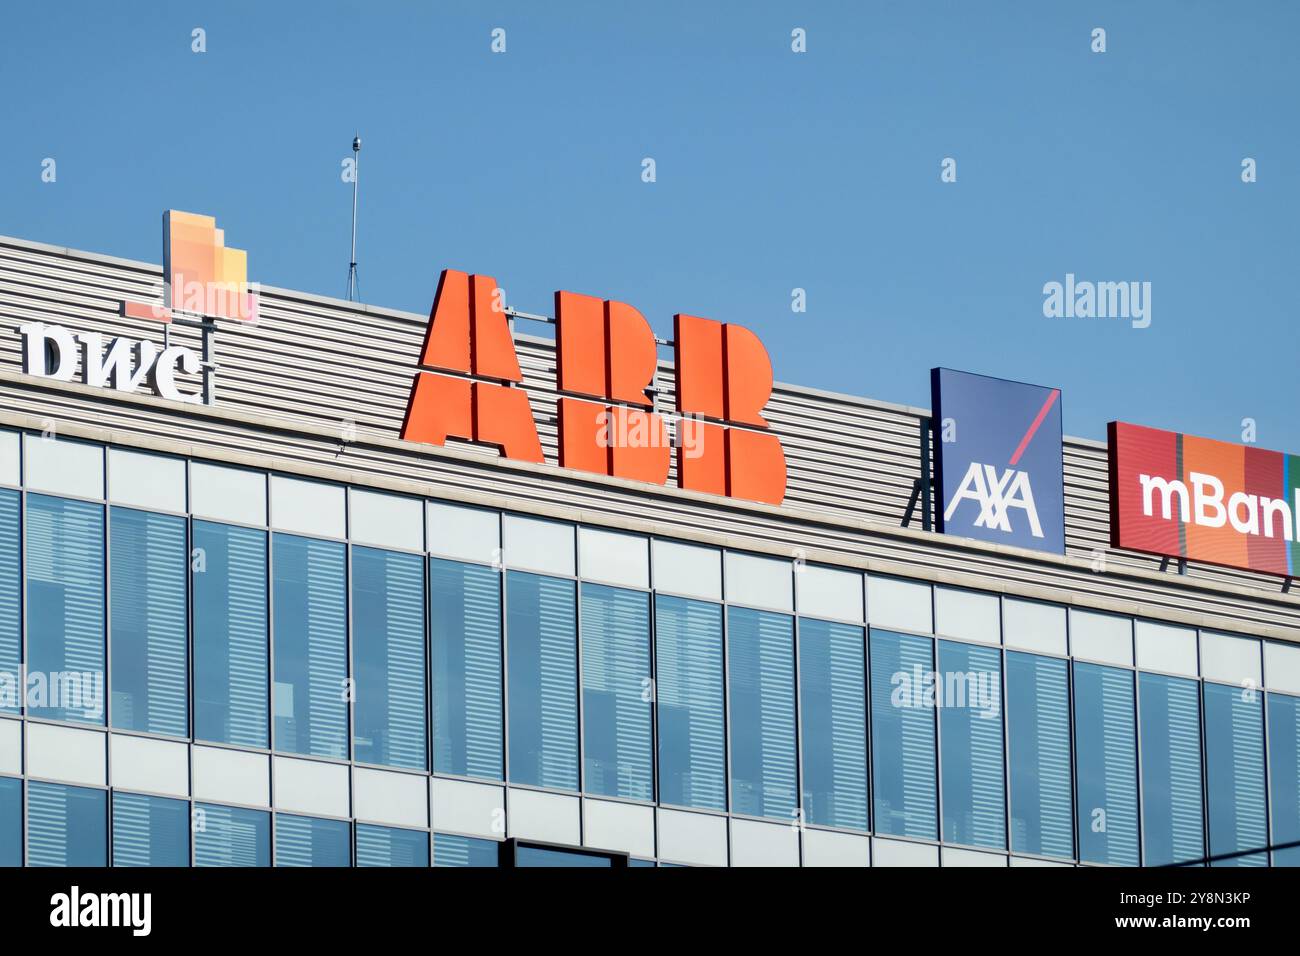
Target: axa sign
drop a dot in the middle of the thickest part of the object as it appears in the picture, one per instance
(998, 460)
(1186, 497)
(606, 357)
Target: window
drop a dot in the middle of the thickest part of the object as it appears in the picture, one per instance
(465, 611)
(388, 846)
(541, 648)
(230, 641)
(903, 735)
(308, 841)
(451, 850)
(11, 821)
(689, 697)
(310, 631)
(546, 856)
(11, 582)
(65, 608)
(388, 656)
(761, 675)
(231, 836)
(150, 831)
(1234, 773)
(970, 735)
(149, 615)
(1173, 827)
(833, 723)
(1106, 764)
(1284, 776)
(616, 695)
(1038, 739)
(66, 826)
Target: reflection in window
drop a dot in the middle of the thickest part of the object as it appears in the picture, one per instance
(150, 831)
(310, 630)
(65, 608)
(902, 734)
(388, 657)
(11, 821)
(542, 675)
(148, 612)
(231, 836)
(1234, 773)
(11, 583)
(833, 723)
(761, 673)
(688, 694)
(309, 841)
(545, 856)
(1106, 764)
(1173, 826)
(451, 850)
(389, 846)
(970, 732)
(1038, 732)
(230, 641)
(465, 611)
(616, 692)
(66, 826)
(1284, 776)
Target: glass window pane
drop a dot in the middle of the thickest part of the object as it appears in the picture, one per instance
(833, 723)
(760, 645)
(1284, 776)
(309, 841)
(149, 618)
(65, 608)
(1038, 732)
(310, 631)
(970, 735)
(451, 850)
(388, 657)
(902, 734)
(150, 831)
(616, 692)
(1106, 764)
(541, 649)
(11, 821)
(66, 826)
(231, 836)
(11, 635)
(388, 846)
(1234, 773)
(544, 856)
(230, 640)
(689, 697)
(465, 613)
(1173, 827)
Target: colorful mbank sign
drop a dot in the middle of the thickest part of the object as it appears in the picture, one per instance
(997, 454)
(1187, 497)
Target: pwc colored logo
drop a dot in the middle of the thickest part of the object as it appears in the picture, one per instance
(202, 276)
(606, 358)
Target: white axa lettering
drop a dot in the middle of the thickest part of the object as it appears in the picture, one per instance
(74, 908)
(996, 496)
(1203, 505)
(51, 351)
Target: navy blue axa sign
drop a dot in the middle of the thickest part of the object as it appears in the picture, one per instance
(997, 454)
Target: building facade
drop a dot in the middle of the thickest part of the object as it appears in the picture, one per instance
(266, 630)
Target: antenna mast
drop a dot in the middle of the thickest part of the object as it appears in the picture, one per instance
(356, 180)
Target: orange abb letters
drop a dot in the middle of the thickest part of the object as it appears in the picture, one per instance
(606, 358)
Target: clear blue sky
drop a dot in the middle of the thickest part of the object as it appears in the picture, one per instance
(775, 171)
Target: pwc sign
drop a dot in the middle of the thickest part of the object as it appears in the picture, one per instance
(1186, 497)
(606, 358)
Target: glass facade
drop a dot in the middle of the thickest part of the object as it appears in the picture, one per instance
(335, 685)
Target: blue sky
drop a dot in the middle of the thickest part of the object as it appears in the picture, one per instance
(775, 170)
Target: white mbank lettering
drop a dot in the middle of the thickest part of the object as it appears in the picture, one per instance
(1203, 504)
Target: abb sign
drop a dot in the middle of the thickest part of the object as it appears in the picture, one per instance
(605, 361)
(1188, 497)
